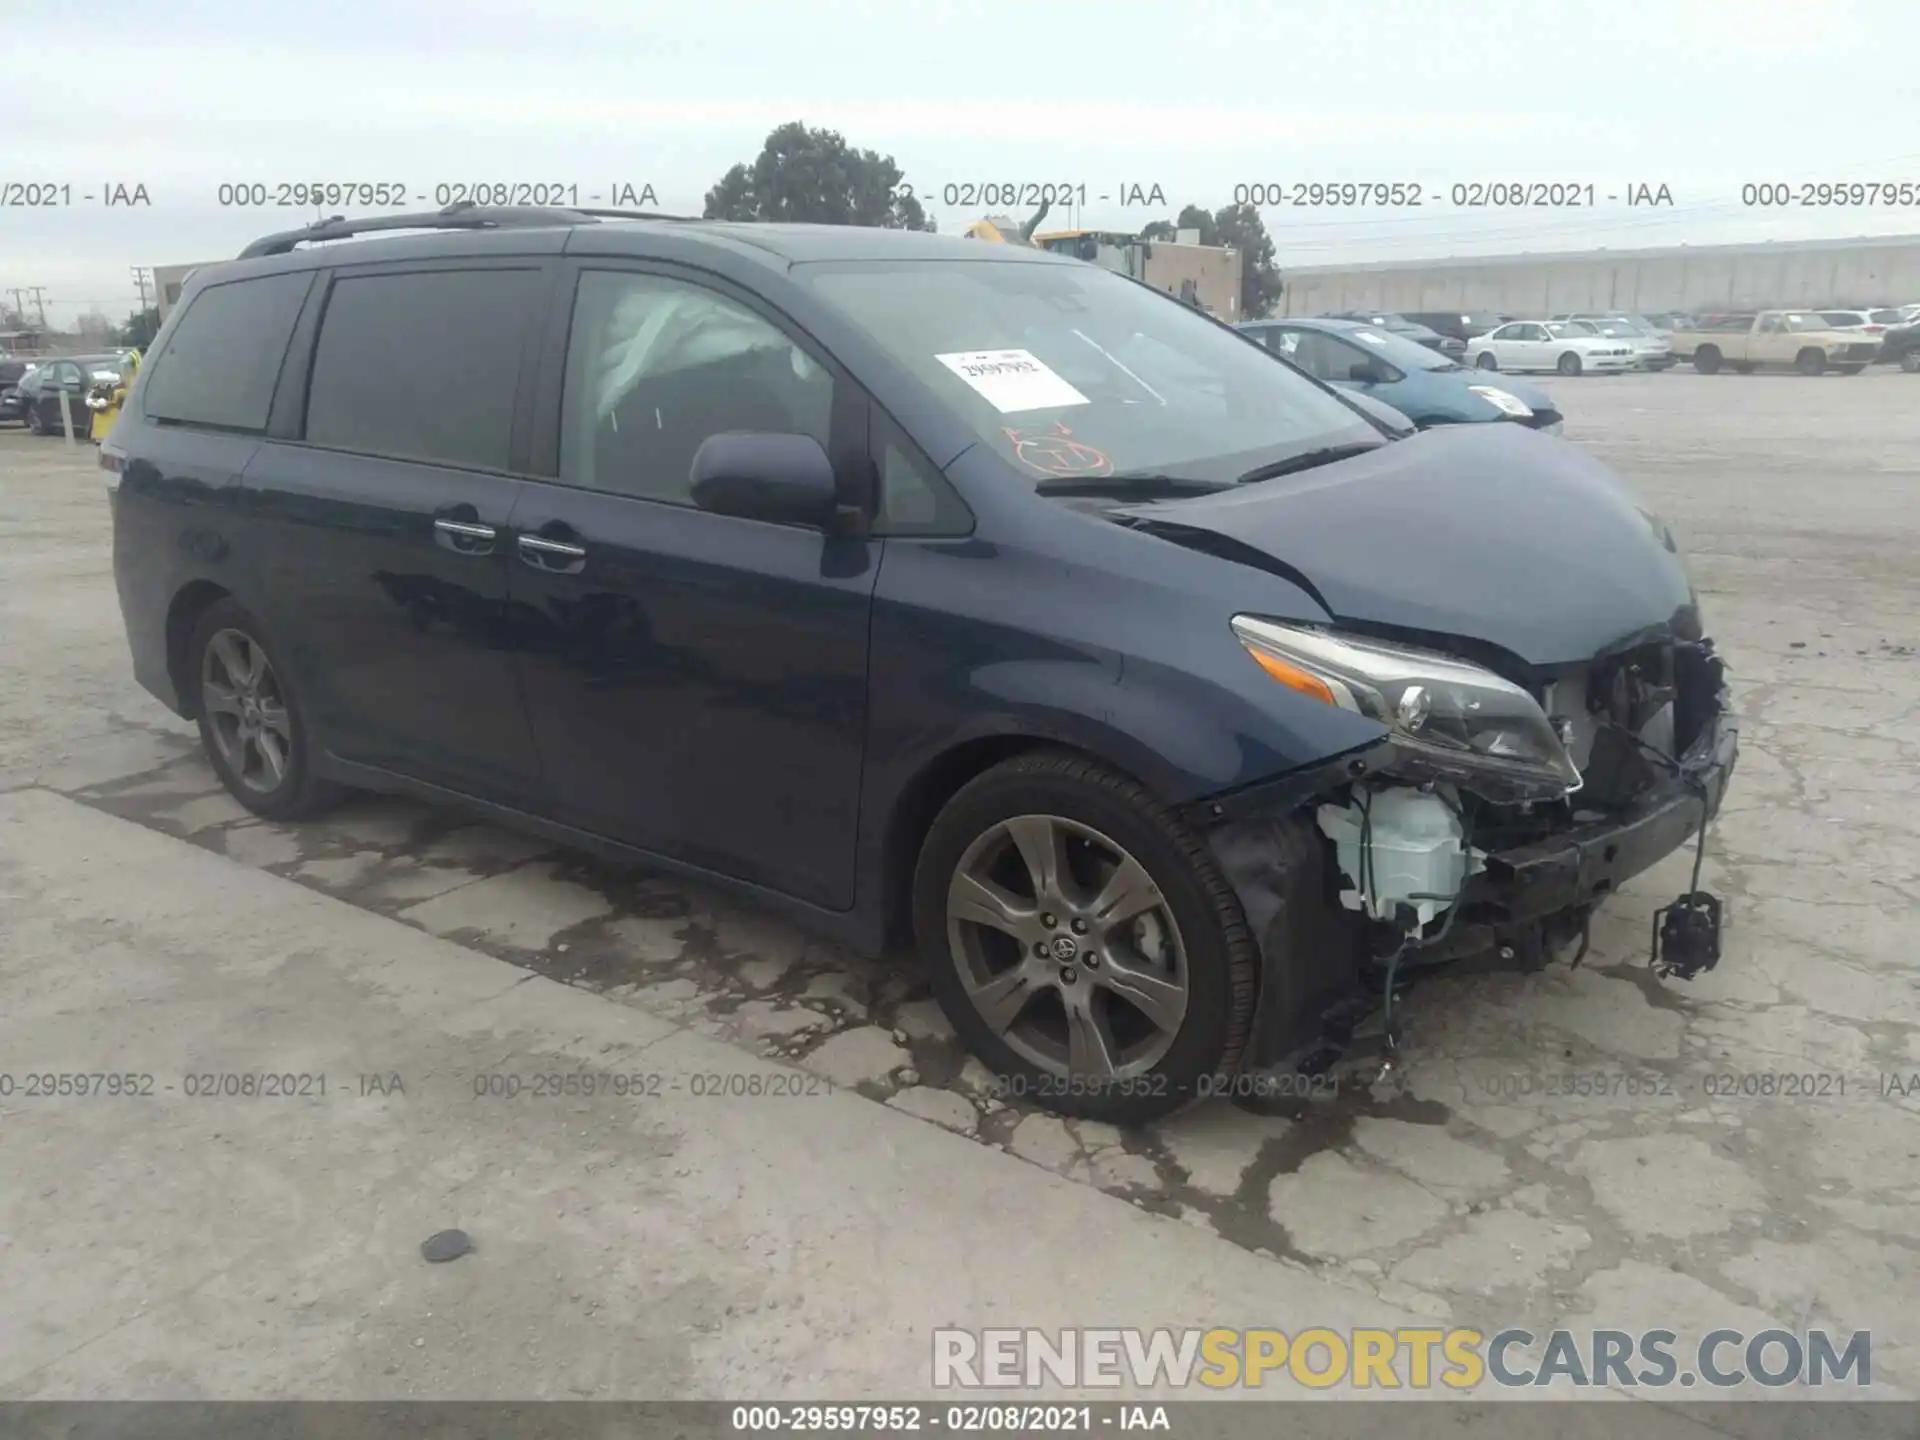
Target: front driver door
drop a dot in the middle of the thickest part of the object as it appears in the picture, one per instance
(697, 682)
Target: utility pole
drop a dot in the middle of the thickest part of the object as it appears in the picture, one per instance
(40, 304)
(19, 305)
(140, 278)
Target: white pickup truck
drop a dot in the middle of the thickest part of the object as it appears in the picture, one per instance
(1773, 340)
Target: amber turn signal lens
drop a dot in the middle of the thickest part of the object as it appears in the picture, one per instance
(1293, 677)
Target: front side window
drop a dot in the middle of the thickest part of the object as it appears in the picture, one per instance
(422, 365)
(656, 364)
(223, 359)
(1072, 371)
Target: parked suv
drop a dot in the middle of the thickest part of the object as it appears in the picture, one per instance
(957, 593)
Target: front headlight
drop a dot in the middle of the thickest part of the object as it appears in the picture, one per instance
(1462, 718)
(1503, 401)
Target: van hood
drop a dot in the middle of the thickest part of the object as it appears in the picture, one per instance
(1493, 533)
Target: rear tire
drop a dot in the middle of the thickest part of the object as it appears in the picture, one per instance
(1910, 362)
(252, 724)
(1849, 369)
(1050, 1009)
(1810, 361)
(1569, 364)
(1706, 360)
(1487, 361)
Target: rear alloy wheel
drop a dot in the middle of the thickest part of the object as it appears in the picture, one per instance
(250, 720)
(1487, 361)
(1707, 360)
(1810, 361)
(1569, 364)
(1082, 941)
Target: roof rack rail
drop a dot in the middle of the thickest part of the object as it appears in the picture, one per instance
(630, 214)
(464, 215)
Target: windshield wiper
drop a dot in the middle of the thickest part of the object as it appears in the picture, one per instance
(1129, 486)
(1308, 460)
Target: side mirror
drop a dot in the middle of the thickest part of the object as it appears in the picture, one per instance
(756, 475)
(1365, 372)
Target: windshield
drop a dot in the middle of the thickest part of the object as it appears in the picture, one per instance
(1398, 350)
(1884, 317)
(1615, 329)
(1569, 329)
(1074, 371)
(1798, 320)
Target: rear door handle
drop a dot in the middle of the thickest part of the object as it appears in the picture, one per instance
(555, 556)
(463, 537)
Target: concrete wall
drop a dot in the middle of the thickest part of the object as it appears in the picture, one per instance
(1733, 277)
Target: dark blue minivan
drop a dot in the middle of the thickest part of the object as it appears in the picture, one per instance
(960, 597)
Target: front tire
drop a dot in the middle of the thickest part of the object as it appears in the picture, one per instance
(1569, 364)
(252, 725)
(1082, 941)
(34, 423)
(1706, 360)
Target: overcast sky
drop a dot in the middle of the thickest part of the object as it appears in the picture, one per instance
(1196, 97)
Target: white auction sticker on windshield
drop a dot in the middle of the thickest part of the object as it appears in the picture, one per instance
(1011, 380)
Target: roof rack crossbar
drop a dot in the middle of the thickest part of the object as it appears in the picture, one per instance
(463, 215)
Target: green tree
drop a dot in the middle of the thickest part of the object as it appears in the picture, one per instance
(1260, 284)
(815, 177)
(141, 327)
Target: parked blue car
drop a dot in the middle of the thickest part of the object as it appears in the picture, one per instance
(1426, 387)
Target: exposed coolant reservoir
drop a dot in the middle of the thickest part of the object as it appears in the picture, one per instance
(1417, 849)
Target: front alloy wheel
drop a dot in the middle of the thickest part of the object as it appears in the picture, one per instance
(1082, 940)
(1066, 948)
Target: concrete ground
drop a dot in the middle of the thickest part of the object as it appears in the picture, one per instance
(694, 1246)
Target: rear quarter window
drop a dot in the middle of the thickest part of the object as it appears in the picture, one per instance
(223, 359)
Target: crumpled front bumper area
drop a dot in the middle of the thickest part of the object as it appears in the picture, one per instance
(1584, 865)
(1323, 970)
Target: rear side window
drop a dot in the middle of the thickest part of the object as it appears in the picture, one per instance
(423, 365)
(223, 358)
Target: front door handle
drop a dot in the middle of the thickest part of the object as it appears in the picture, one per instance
(554, 556)
(463, 537)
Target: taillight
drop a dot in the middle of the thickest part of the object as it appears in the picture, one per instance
(1873, 329)
(114, 462)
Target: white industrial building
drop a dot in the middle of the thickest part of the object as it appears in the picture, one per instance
(1870, 270)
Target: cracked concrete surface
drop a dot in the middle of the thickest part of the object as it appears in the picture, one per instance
(1587, 1147)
